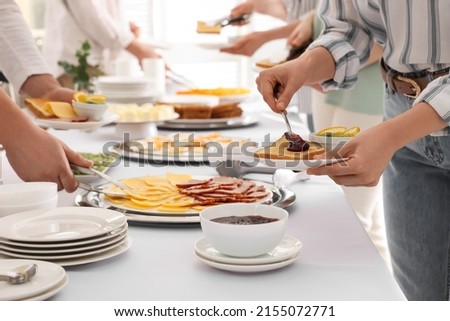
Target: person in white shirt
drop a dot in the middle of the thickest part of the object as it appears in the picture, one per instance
(412, 146)
(71, 22)
(34, 154)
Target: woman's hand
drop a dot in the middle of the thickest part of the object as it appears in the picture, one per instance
(368, 155)
(278, 84)
(35, 155)
(303, 32)
(247, 45)
(244, 8)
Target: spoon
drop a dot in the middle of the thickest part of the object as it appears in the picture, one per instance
(19, 274)
(296, 142)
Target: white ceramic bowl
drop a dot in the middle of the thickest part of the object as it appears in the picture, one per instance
(94, 112)
(27, 193)
(43, 205)
(330, 143)
(244, 240)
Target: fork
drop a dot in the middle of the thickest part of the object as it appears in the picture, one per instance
(20, 274)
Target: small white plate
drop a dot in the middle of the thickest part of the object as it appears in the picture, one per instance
(59, 224)
(288, 248)
(88, 125)
(249, 268)
(48, 276)
(49, 293)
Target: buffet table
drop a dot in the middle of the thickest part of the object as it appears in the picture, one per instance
(337, 261)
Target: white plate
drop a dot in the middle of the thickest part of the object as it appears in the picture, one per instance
(205, 121)
(45, 252)
(90, 258)
(216, 123)
(47, 277)
(97, 257)
(67, 256)
(188, 213)
(288, 248)
(88, 125)
(49, 293)
(249, 268)
(59, 224)
(174, 117)
(138, 149)
(67, 244)
(298, 165)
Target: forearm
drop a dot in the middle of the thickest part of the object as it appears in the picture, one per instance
(419, 121)
(274, 8)
(317, 64)
(47, 87)
(13, 122)
(280, 32)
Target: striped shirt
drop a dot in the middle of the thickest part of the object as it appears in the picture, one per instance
(414, 35)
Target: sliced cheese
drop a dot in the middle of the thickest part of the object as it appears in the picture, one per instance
(61, 110)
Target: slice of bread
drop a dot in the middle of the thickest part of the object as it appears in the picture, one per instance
(193, 111)
(39, 107)
(203, 27)
(226, 110)
(266, 63)
(278, 150)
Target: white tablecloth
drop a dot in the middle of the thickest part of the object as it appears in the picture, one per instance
(337, 261)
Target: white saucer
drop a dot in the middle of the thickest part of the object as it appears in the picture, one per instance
(249, 268)
(48, 276)
(49, 293)
(288, 248)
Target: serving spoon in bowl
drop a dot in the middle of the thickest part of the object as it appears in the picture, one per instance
(19, 274)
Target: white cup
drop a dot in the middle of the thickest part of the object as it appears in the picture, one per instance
(124, 68)
(155, 69)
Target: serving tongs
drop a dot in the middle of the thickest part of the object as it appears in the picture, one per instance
(180, 79)
(91, 171)
(227, 20)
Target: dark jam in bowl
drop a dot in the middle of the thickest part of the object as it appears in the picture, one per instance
(244, 220)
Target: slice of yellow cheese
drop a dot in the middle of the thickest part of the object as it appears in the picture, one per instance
(61, 110)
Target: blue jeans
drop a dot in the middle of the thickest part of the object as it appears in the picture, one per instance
(417, 211)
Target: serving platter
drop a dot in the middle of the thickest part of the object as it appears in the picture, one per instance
(216, 123)
(192, 148)
(281, 197)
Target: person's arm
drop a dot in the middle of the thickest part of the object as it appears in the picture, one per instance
(274, 8)
(248, 44)
(278, 84)
(370, 151)
(303, 31)
(34, 154)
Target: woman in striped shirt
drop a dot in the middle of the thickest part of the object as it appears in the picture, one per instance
(411, 147)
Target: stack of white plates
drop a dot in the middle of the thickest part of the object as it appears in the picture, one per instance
(49, 279)
(286, 253)
(122, 89)
(64, 235)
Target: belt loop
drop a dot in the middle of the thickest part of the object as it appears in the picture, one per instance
(389, 74)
